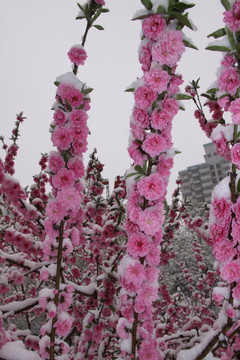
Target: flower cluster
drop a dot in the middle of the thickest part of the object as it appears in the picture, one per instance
(150, 146)
(104, 242)
(63, 223)
(223, 229)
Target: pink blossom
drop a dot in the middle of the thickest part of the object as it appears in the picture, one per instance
(79, 134)
(235, 229)
(138, 131)
(152, 275)
(147, 294)
(138, 245)
(77, 55)
(160, 119)
(69, 94)
(151, 187)
(100, 2)
(224, 102)
(78, 118)
(169, 49)
(174, 84)
(164, 165)
(148, 350)
(157, 79)
(51, 307)
(44, 274)
(141, 117)
(231, 312)
(145, 55)
(79, 146)
(52, 232)
(150, 220)
(44, 346)
(144, 97)
(232, 17)
(171, 106)
(77, 166)
(229, 60)
(61, 137)
(218, 232)
(234, 108)
(154, 144)
(236, 209)
(136, 154)
(55, 210)
(135, 275)
(222, 209)
(64, 178)
(63, 324)
(235, 154)
(153, 26)
(59, 117)
(223, 250)
(222, 148)
(236, 292)
(121, 329)
(153, 256)
(139, 306)
(55, 161)
(229, 80)
(131, 227)
(76, 273)
(231, 271)
(75, 237)
(65, 300)
(70, 198)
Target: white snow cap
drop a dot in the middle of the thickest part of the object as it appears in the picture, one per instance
(222, 189)
(70, 78)
(227, 131)
(223, 42)
(16, 350)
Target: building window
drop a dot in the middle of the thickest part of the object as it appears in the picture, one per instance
(195, 178)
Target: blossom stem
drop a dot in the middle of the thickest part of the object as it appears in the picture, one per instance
(134, 335)
(57, 287)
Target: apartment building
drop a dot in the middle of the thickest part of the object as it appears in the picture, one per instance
(199, 180)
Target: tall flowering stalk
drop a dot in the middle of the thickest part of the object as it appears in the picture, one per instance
(103, 245)
(150, 147)
(224, 223)
(63, 224)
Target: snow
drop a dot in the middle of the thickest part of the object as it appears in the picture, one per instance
(125, 262)
(130, 180)
(194, 352)
(19, 258)
(227, 131)
(141, 12)
(224, 291)
(223, 42)
(222, 189)
(172, 151)
(16, 306)
(85, 289)
(70, 78)
(126, 345)
(16, 351)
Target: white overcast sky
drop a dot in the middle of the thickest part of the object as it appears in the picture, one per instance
(35, 37)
